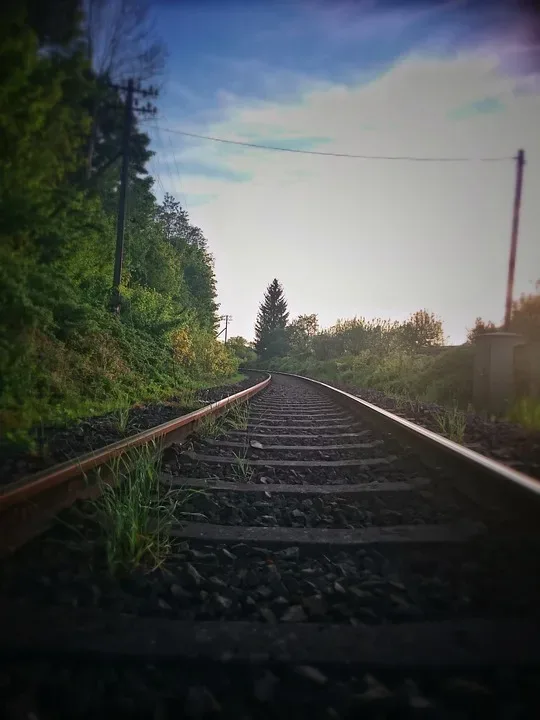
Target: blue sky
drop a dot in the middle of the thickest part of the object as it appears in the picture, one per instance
(232, 46)
(349, 237)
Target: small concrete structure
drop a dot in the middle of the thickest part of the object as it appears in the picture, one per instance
(493, 384)
(527, 369)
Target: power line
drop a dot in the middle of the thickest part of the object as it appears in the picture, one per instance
(179, 192)
(154, 173)
(165, 159)
(408, 158)
(153, 163)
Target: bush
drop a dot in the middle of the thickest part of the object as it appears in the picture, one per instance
(444, 378)
(45, 380)
(63, 355)
(194, 348)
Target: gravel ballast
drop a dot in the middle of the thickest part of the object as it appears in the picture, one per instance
(288, 511)
(64, 443)
(166, 691)
(244, 582)
(499, 439)
(304, 585)
(295, 476)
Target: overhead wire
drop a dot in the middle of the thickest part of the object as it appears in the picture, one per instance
(153, 167)
(178, 173)
(166, 163)
(407, 158)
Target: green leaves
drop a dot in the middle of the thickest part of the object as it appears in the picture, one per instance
(61, 128)
(43, 124)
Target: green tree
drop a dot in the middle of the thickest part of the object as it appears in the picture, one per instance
(62, 354)
(423, 329)
(300, 333)
(270, 333)
(57, 23)
(177, 227)
(480, 327)
(241, 349)
(525, 318)
(43, 125)
(196, 262)
(352, 336)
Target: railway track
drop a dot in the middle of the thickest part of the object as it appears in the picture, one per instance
(329, 561)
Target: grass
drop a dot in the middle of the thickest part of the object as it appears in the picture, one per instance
(135, 512)
(121, 414)
(79, 395)
(402, 402)
(237, 417)
(211, 427)
(186, 398)
(241, 469)
(441, 379)
(526, 412)
(234, 419)
(452, 422)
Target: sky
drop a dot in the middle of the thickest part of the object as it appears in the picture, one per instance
(354, 236)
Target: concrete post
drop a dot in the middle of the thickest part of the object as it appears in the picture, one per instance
(493, 384)
(527, 369)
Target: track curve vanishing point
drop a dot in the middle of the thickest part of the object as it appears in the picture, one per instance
(330, 561)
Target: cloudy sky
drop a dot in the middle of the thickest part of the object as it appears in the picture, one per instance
(351, 236)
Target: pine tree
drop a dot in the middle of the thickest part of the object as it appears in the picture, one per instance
(270, 336)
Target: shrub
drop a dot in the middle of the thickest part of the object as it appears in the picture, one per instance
(444, 378)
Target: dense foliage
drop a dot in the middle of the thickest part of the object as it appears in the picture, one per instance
(276, 337)
(406, 359)
(524, 319)
(243, 350)
(444, 377)
(400, 358)
(62, 353)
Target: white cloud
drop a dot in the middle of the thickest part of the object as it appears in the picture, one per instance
(373, 238)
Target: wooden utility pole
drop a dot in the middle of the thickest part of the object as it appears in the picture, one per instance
(121, 219)
(520, 162)
(129, 108)
(228, 319)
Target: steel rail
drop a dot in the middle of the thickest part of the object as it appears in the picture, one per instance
(59, 486)
(29, 503)
(492, 479)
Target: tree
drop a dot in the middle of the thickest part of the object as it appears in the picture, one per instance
(300, 333)
(120, 43)
(423, 329)
(177, 227)
(121, 39)
(61, 350)
(270, 334)
(42, 125)
(173, 218)
(197, 263)
(480, 327)
(241, 349)
(57, 23)
(525, 318)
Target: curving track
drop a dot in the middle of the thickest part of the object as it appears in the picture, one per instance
(323, 568)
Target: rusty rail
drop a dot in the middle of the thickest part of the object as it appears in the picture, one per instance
(482, 479)
(27, 505)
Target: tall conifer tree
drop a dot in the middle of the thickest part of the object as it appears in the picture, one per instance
(270, 336)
